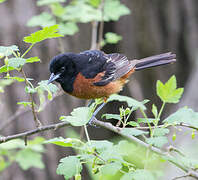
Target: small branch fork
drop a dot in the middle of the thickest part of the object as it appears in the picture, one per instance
(108, 126)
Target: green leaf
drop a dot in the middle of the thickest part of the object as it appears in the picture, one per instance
(14, 144)
(8, 50)
(101, 145)
(160, 131)
(47, 2)
(168, 92)
(110, 169)
(154, 110)
(27, 158)
(30, 90)
(1, 1)
(79, 116)
(69, 28)
(133, 132)
(32, 60)
(113, 10)
(48, 87)
(183, 115)
(139, 174)
(68, 142)
(94, 3)
(130, 101)
(57, 9)
(112, 38)
(69, 167)
(133, 123)
(16, 62)
(41, 35)
(87, 13)
(111, 116)
(44, 19)
(157, 141)
(6, 69)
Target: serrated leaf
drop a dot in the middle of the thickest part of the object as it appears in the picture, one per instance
(183, 115)
(101, 145)
(160, 131)
(44, 19)
(112, 38)
(69, 167)
(32, 60)
(133, 132)
(87, 13)
(6, 69)
(111, 169)
(8, 50)
(168, 92)
(16, 62)
(41, 35)
(130, 101)
(79, 116)
(139, 174)
(27, 158)
(111, 116)
(69, 28)
(157, 141)
(113, 10)
(47, 2)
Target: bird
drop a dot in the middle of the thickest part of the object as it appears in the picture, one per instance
(94, 74)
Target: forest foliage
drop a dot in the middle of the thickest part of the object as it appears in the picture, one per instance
(141, 146)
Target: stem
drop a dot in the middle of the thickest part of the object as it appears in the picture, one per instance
(38, 123)
(145, 116)
(87, 135)
(162, 108)
(27, 50)
(94, 35)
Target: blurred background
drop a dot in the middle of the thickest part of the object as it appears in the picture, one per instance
(152, 27)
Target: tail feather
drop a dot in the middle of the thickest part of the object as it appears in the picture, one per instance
(157, 60)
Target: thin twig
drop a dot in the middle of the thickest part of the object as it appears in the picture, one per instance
(34, 131)
(101, 28)
(36, 120)
(112, 128)
(94, 35)
(22, 111)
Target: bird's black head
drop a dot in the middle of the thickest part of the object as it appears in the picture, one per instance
(63, 68)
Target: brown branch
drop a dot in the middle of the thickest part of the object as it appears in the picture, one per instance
(112, 128)
(34, 131)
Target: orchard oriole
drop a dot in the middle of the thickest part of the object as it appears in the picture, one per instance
(93, 74)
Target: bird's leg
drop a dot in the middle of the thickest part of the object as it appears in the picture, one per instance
(95, 113)
(90, 102)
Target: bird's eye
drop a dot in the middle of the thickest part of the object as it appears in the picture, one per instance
(62, 69)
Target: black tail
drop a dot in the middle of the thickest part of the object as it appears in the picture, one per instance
(157, 60)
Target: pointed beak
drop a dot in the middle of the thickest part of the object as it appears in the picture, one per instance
(53, 77)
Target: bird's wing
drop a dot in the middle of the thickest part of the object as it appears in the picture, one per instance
(113, 66)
